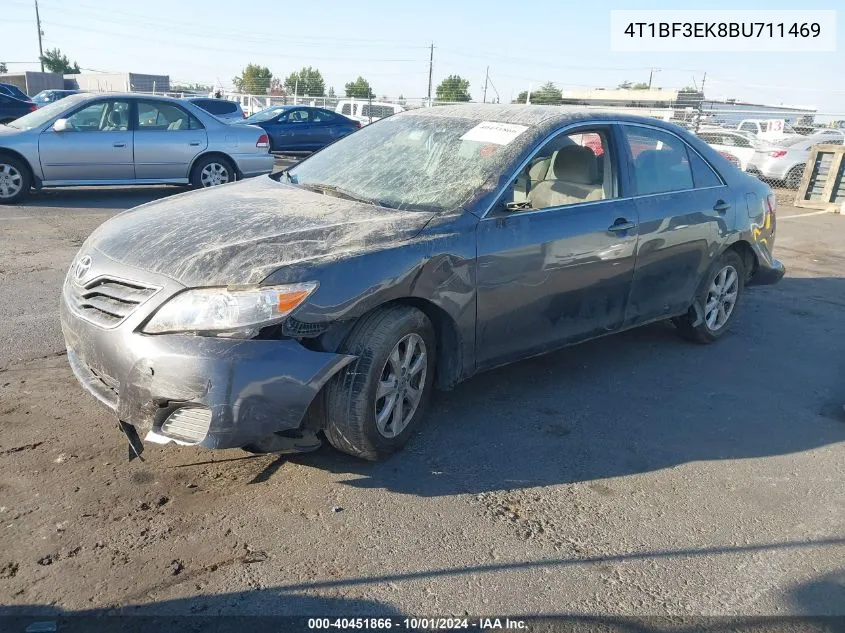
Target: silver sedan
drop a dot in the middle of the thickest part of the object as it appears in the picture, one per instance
(125, 139)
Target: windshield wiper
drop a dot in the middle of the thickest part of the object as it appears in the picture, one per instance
(334, 190)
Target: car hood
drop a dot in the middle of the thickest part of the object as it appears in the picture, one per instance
(240, 233)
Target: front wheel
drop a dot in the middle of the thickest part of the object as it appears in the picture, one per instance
(793, 178)
(719, 296)
(374, 404)
(211, 171)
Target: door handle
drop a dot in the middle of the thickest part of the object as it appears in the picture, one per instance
(119, 145)
(195, 143)
(621, 225)
(721, 206)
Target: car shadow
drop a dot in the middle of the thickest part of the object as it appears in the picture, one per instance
(635, 402)
(118, 198)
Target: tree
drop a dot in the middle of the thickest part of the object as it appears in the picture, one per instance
(453, 88)
(254, 79)
(359, 89)
(307, 81)
(331, 94)
(547, 94)
(3, 67)
(640, 86)
(55, 62)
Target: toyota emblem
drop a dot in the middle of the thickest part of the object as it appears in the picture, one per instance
(82, 267)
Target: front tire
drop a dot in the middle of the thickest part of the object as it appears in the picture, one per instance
(15, 181)
(374, 405)
(719, 297)
(793, 178)
(211, 171)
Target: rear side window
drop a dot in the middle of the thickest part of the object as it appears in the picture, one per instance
(217, 106)
(660, 161)
(346, 109)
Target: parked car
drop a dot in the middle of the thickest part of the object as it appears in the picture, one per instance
(767, 129)
(223, 109)
(12, 108)
(125, 139)
(13, 91)
(296, 128)
(785, 161)
(441, 242)
(732, 142)
(365, 111)
(50, 96)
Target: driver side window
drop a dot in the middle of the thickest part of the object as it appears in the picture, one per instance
(103, 116)
(572, 168)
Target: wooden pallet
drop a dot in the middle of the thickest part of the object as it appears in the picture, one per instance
(823, 183)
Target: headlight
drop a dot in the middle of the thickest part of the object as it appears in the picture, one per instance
(224, 312)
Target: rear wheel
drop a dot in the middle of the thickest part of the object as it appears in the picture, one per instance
(15, 181)
(719, 296)
(211, 171)
(793, 178)
(374, 405)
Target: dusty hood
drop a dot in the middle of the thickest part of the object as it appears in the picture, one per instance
(240, 233)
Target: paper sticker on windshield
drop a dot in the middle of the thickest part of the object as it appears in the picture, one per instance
(492, 132)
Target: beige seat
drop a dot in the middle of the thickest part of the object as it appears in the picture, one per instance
(178, 124)
(574, 178)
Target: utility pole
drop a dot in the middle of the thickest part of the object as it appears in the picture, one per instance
(651, 72)
(486, 79)
(528, 94)
(430, 70)
(40, 33)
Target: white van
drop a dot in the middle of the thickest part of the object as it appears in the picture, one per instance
(766, 129)
(366, 111)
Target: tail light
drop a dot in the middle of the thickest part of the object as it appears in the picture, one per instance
(263, 141)
(243, 115)
(777, 153)
(357, 124)
(32, 107)
(771, 203)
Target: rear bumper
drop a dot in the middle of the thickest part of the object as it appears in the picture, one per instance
(768, 274)
(254, 164)
(252, 388)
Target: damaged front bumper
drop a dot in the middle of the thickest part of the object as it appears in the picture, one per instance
(212, 392)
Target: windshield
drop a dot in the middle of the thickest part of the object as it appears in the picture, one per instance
(415, 162)
(265, 115)
(45, 114)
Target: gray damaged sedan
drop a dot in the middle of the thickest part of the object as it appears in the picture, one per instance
(330, 299)
(125, 139)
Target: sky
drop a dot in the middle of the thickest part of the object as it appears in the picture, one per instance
(387, 42)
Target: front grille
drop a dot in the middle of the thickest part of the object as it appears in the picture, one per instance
(106, 301)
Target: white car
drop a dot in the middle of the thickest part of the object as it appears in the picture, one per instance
(737, 144)
(767, 129)
(365, 111)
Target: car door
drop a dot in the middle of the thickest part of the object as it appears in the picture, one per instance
(684, 208)
(556, 252)
(167, 139)
(303, 132)
(96, 145)
(328, 127)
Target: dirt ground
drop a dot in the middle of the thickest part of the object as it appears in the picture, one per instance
(635, 475)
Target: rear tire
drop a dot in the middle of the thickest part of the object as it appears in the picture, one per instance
(210, 171)
(719, 298)
(374, 404)
(793, 178)
(15, 181)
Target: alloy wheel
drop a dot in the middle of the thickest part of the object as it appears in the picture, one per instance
(400, 386)
(721, 298)
(214, 174)
(11, 181)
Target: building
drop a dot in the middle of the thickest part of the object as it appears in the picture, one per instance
(117, 82)
(732, 112)
(34, 82)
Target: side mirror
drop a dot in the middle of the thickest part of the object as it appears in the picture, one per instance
(61, 125)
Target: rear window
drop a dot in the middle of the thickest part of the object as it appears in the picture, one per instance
(217, 106)
(346, 109)
(377, 111)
